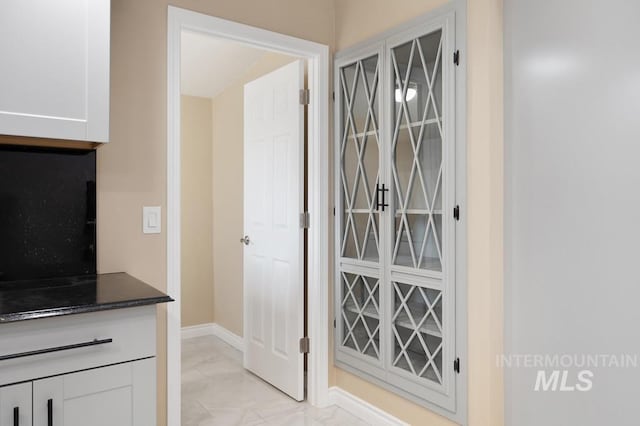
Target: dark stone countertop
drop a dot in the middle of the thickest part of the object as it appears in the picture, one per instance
(33, 299)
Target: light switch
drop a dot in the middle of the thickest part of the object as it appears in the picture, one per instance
(151, 220)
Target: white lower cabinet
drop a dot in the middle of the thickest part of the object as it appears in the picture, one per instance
(15, 405)
(93, 369)
(114, 395)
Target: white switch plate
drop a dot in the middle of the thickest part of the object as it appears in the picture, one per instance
(151, 220)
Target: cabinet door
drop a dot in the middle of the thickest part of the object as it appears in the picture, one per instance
(359, 183)
(421, 269)
(54, 77)
(122, 395)
(15, 405)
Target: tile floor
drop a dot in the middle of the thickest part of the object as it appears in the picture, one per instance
(216, 390)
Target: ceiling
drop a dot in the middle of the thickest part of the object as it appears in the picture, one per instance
(211, 64)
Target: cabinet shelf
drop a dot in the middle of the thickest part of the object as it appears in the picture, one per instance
(418, 211)
(428, 263)
(418, 361)
(365, 211)
(428, 327)
(369, 311)
(414, 124)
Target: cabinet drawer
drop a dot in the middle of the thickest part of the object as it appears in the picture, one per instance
(48, 347)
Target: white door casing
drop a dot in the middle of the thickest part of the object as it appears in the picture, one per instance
(274, 250)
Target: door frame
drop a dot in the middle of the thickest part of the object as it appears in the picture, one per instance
(317, 56)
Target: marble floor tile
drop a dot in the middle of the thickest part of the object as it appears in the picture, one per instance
(216, 390)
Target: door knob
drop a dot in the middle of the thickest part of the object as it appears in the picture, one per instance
(245, 240)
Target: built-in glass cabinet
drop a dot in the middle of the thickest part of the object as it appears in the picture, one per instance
(398, 148)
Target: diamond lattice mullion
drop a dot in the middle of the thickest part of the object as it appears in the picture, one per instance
(434, 74)
(350, 334)
(350, 326)
(432, 363)
(348, 208)
(370, 334)
(371, 342)
(430, 355)
(396, 133)
(350, 100)
(403, 352)
(344, 315)
(432, 224)
(361, 173)
(428, 78)
(349, 289)
(415, 168)
(431, 228)
(431, 310)
(404, 307)
(372, 292)
(350, 221)
(370, 98)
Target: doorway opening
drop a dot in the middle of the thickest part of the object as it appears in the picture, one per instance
(251, 53)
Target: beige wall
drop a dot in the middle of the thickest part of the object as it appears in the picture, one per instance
(356, 20)
(228, 193)
(132, 167)
(196, 211)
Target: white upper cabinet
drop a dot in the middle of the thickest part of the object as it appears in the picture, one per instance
(54, 71)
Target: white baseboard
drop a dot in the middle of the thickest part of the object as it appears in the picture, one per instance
(197, 331)
(213, 329)
(362, 409)
(227, 336)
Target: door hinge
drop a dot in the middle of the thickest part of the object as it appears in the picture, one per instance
(305, 221)
(456, 365)
(456, 212)
(333, 96)
(304, 345)
(456, 57)
(334, 323)
(304, 96)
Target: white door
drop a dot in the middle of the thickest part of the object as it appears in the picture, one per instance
(274, 240)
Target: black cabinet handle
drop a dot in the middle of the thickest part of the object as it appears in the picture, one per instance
(56, 349)
(16, 416)
(50, 412)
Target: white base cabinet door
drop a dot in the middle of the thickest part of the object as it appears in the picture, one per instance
(122, 394)
(15, 405)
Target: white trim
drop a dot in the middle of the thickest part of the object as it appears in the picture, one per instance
(228, 336)
(360, 408)
(318, 190)
(199, 330)
(216, 330)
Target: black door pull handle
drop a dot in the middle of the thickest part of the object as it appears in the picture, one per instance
(50, 412)
(16, 416)
(380, 195)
